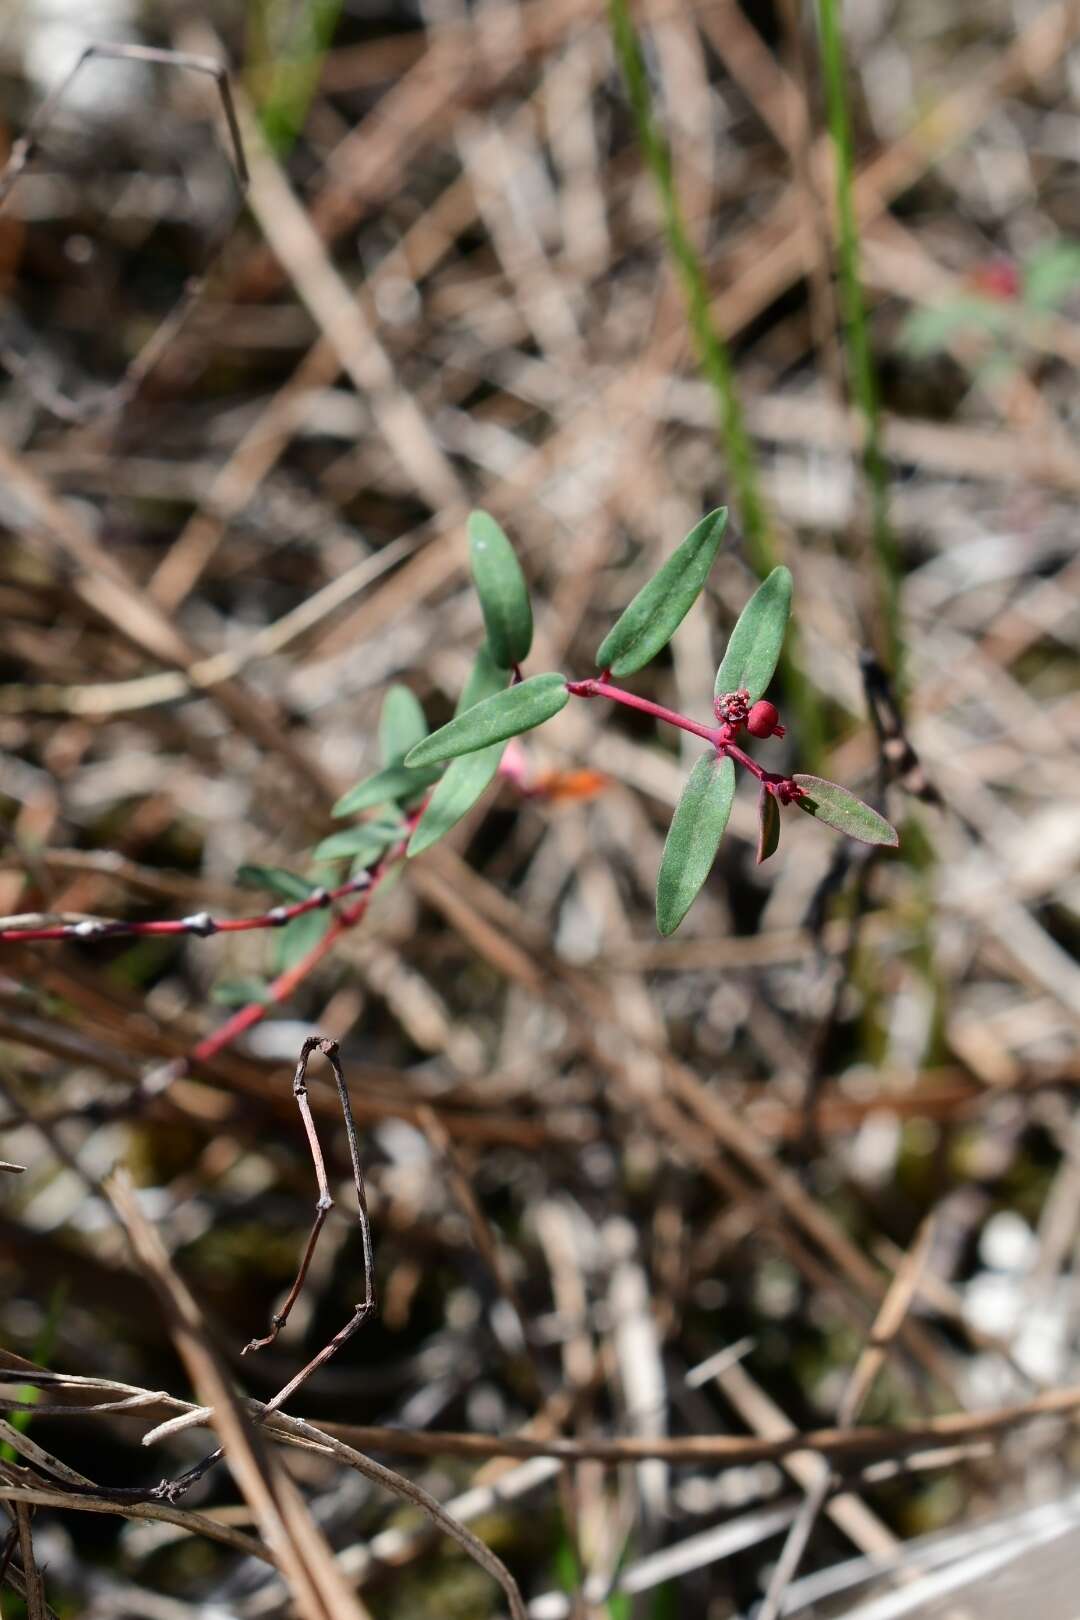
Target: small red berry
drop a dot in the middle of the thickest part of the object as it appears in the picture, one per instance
(998, 278)
(764, 720)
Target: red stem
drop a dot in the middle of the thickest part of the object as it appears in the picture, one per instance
(283, 986)
(202, 923)
(721, 737)
(602, 688)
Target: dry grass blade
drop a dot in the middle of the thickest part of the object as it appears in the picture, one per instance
(894, 1307)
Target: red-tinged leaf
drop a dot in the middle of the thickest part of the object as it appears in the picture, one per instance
(768, 824)
(836, 807)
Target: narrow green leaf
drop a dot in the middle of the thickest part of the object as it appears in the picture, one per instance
(754, 648)
(239, 992)
(1051, 274)
(836, 807)
(397, 784)
(659, 608)
(366, 841)
(768, 824)
(464, 782)
(693, 838)
(401, 724)
(486, 677)
(506, 714)
(504, 595)
(293, 942)
(466, 778)
(287, 885)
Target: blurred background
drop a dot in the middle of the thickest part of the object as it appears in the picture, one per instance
(619, 1186)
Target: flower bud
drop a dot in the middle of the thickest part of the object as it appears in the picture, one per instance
(764, 720)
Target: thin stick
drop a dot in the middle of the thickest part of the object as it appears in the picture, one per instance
(325, 1202)
(172, 1490)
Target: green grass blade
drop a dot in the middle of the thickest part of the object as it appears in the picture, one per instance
(856, 328)
(713, 355)
(287, 70)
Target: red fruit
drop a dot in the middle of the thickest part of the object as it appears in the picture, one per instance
(764, 720)
(998, 278)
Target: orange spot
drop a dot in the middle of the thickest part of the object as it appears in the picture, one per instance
(569, 785)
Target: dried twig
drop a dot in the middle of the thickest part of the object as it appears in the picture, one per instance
(324, 1205)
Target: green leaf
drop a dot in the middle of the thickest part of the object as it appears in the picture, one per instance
(768, 824)
(485, 678)
(754, 648)
(506, 714)
(239, 992)
(659, 608)
(293, 942)
(504, 595)
(1051, 274)
(693, 838)
(401, 724)
(929, 331)
(287, 885)
(464, 782)
(366, 841)
(397, 784)
(836, 807)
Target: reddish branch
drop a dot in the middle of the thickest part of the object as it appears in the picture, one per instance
(201, 923)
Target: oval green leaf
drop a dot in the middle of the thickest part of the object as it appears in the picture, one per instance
(366, 841)
(754, 648)
(240, 992)
(768, 824)
(286, 885)
(504, 595)
(401, 724)
(697, 827)
(485, 678)
(465, 780)
(298, 937)
(397, 784)
(659, 608)
(836, 807)
(506, 714)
